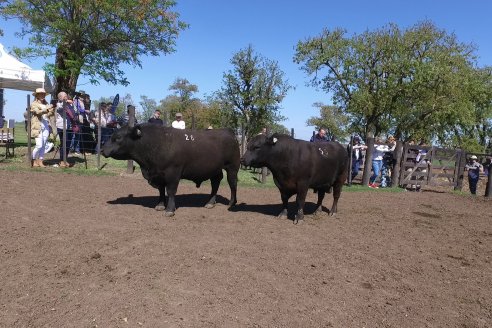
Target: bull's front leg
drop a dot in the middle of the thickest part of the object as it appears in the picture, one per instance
(300, 200)
(171, 193)
(285, 202)
(161, 205)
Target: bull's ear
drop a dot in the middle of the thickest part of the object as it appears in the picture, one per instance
(136, 132)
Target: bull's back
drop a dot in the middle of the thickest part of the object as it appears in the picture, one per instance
(206, 150)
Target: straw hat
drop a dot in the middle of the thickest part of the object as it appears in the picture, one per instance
(473, 157)
(39, 90)
(179, 115)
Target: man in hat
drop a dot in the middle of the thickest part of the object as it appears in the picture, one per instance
(474, 169)
(41, 112)
(178, 123)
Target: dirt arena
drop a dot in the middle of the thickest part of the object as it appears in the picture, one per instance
(81, 251)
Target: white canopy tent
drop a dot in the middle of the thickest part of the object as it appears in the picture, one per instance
(16, 75)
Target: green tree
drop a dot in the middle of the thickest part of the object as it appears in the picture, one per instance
(254, 88)
(332, 119)
(148, 106)
(390, 80)
(93, 38)
(184, 92)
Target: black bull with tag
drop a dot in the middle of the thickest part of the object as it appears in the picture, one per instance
(298, 165)
(166, 155)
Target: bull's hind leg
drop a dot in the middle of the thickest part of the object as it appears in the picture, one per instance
(337, 190)
(300, 201)
(232, 180)
(215, 182)
(161, 205)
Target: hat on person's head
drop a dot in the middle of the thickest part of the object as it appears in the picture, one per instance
(473, 157)
(39, 90)
(179, 115)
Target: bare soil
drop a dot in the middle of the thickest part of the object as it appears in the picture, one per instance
(80, 251)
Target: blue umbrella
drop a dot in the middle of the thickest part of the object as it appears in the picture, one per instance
(116, 101)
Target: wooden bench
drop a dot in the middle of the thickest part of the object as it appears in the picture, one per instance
(7, 141)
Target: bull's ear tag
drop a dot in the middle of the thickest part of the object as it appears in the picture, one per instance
(275, 140)
(139, 132)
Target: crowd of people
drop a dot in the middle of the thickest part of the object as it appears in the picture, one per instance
(82, 125)
(383, 162)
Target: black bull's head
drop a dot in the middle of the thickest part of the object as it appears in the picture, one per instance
(257, 151)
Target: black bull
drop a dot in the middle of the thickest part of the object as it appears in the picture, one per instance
(166, 155)
(298, 165)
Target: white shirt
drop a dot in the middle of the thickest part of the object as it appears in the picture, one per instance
(379, 151)
(178, 124)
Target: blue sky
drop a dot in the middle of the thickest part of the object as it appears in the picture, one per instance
(220, 28)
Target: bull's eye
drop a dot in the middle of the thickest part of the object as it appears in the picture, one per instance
(256, 147)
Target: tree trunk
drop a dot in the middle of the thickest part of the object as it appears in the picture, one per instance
(66, 78)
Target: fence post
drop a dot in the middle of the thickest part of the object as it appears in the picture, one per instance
(395, 173)
(349, 170)
(460, 167)
(488, 188)
(99, 130)
(131, 123)
(264, 170)
(29, 150)
(368, 161)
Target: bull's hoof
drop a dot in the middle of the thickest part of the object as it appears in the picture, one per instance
(282, 214)
(160, 208)
(298, 221)
(168, 214)
(332, 213)
(209, 205)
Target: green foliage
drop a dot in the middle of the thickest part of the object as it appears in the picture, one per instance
(332, 119)
(94, 38)
(414, 83)
(254, 89)
(149, 106)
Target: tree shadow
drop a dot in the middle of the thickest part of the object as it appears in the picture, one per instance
(184, 200)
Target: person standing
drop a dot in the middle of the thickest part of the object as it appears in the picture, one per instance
(156, 118)
(474, 169)
(377, 161)
(41, 112)
(320, 136)
(388, 163)
(60, 109)
(179, 123)
(357, 157)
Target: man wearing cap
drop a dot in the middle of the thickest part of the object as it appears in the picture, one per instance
(178, 123)
(474, 169)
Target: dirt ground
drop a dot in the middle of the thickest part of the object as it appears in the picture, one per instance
(80, 251)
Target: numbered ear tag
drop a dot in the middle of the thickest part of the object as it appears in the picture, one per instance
(190, 137)
(275, 140)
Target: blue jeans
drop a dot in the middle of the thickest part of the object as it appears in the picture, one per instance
(376, 167)
(385, 175)
(355, 168)
(75, 142)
